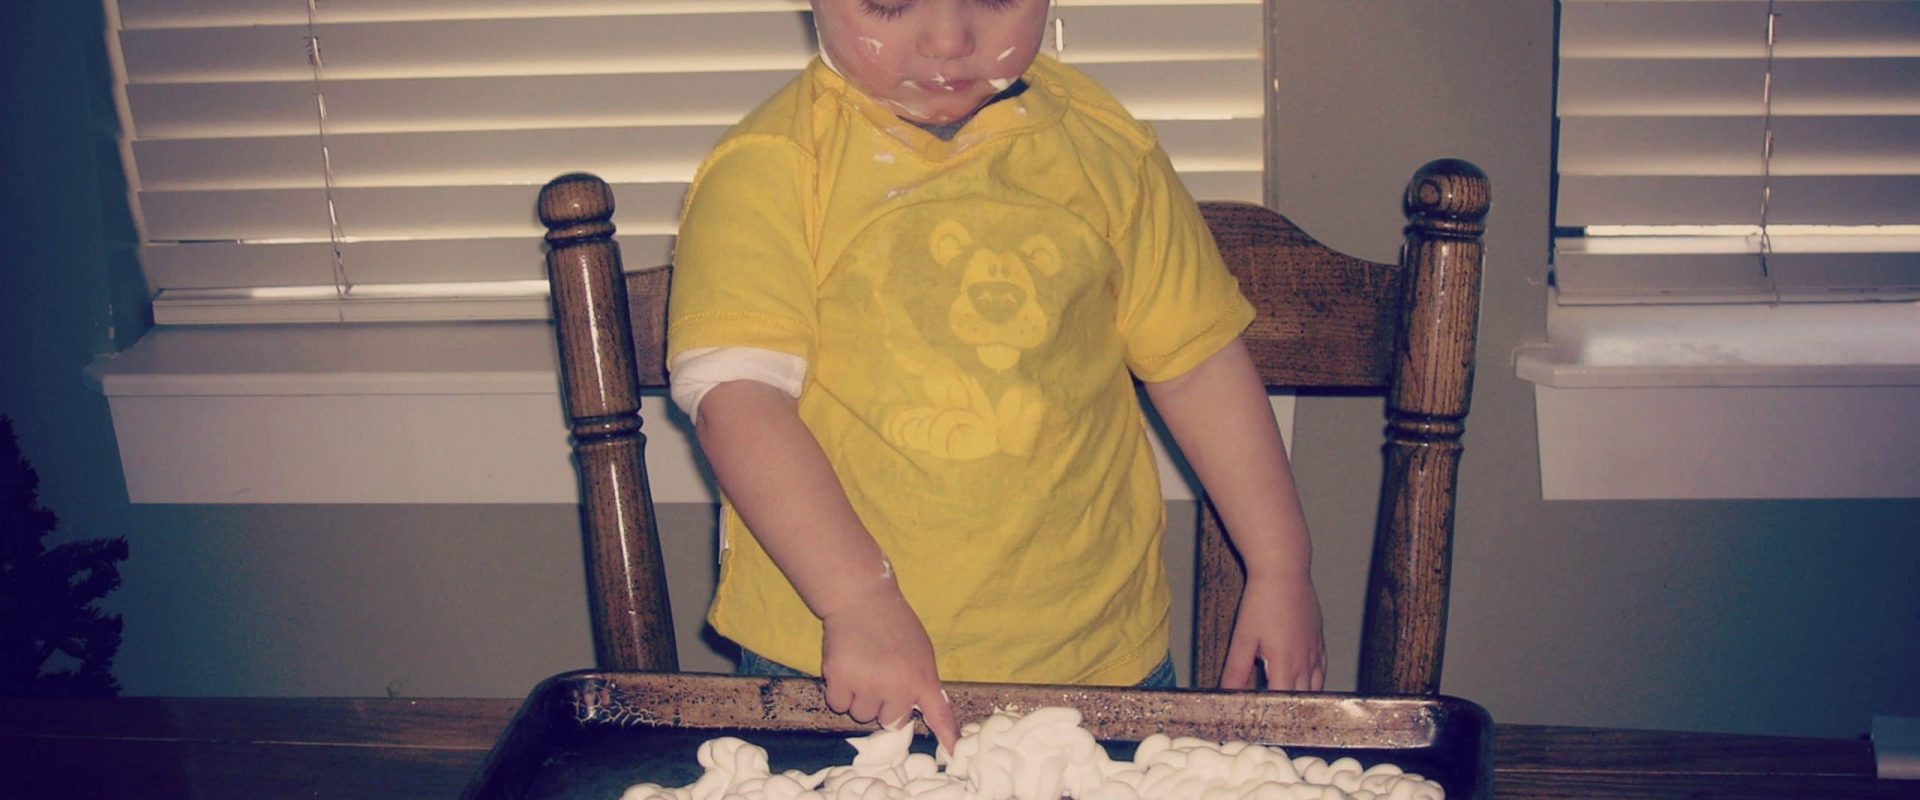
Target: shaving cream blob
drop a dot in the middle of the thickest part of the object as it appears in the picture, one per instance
(1044, 755)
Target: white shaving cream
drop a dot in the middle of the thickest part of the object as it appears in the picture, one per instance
(1045, 755)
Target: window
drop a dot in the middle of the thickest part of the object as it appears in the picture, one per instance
(1738, 150)
(364, 160)
(1736, 251)
(399, 220)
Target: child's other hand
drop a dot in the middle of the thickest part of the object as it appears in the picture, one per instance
(878, 665)
(1278, 624)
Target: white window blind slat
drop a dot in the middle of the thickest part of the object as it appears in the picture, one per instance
(1723, 200)
(141, 14)
(1154, 91)
(283, 108)
(1725, 28)
(444, 211)
(1720, 277)
(215, 265)
(144, 14)
(232, 265)
(431, 212)
(595, 45)
(1244, 186)
(367, 304)
(1197, 146)
(1200, 90)
(577, 45)
(1665, 110)
(464, 158)
(444, 117)
(481, 158)
(218, 265)
(1854, 145)
(1724, 87)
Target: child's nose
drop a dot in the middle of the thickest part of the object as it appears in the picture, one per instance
(950, 34)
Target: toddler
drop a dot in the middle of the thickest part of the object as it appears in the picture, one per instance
(912, 291)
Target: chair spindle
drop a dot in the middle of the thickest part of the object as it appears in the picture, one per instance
(626, 577)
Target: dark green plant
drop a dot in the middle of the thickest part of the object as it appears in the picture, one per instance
(47, 594)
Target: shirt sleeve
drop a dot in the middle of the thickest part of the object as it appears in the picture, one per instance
(743, 262)
(695, 372)
(1178, 302)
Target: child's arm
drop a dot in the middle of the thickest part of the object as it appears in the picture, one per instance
(875, 656)
(1219, 414)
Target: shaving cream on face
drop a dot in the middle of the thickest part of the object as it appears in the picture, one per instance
(907, 110)
(820, 42)
(918, 71)
(828, 60)
(873, 46)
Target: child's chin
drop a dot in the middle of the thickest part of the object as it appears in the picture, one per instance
(946, 114)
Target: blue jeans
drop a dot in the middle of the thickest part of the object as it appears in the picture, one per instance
(752, 663)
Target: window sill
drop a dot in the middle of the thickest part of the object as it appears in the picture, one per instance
(1734, 402)
(463, 412)
(396, 413)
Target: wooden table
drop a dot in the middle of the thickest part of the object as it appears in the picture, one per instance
(368, 749)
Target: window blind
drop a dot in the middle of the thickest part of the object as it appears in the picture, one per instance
(1664, 177)
(442, 117)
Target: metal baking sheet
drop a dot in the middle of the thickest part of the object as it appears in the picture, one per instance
(590, 735)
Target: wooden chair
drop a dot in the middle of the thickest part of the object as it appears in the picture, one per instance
(1325, 320)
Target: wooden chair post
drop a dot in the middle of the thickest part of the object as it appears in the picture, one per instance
(626, 577)
(1328, 320)
(1406, 620)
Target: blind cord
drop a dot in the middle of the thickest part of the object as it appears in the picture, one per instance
(1766, 159)
(340, 283)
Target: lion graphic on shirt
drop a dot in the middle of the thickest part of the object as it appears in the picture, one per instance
(996, 312)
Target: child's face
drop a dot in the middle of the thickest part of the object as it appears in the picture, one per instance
(931, 61)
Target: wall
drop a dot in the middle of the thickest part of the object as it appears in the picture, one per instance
(1777, 617)
(1765, 617)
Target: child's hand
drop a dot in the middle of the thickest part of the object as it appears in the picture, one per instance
(1279, 624)
(878, 665)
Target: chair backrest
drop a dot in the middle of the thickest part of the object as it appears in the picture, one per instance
(1325, 320)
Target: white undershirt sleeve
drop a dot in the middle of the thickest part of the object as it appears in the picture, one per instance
(695, 372)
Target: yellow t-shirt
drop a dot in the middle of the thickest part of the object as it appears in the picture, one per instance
(969, 312)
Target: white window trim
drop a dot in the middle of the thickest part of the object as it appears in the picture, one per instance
(464, 412)
(1753, 401)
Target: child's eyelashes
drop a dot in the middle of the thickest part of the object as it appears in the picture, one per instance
(893, 10)
(884, 11)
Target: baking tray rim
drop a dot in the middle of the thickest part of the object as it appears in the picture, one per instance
(699, 701)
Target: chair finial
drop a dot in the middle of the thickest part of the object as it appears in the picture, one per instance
(1449, 196)
(576, 205)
